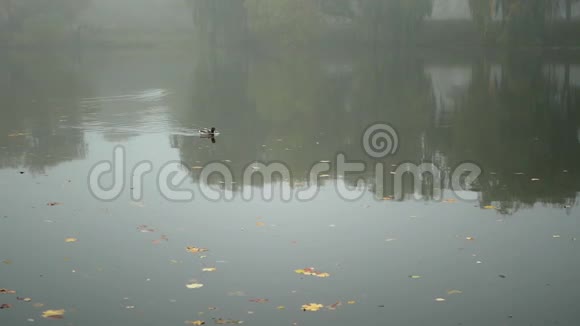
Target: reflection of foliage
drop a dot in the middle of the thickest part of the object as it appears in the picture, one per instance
(285, 21)
(511, 124)
(519, 21)
(39, 20)
(40, 93)
(393, 19)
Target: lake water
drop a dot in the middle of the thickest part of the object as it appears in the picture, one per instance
(508, 256)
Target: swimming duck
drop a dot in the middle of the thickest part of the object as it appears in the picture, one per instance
(206, 132)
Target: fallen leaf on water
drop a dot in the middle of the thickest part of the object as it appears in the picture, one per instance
(5, 306)
(388, 198)
(6, 291)
(440, 300)
(194, 285)
(351, 302)
(415, 277)
(23, 299)
(259, 300)
(489, 207)
(38, 305)
(195, 322)
(17, 134)
(7, 261)
(195, 250)
(280, 307)
(260, 224)
(70, 240)
(54, 204)
(209, 269)
(311, 272)
(451, 292)
(469, 238)
(53, 314)
(535, 179)
(145, 229)
(334, 305)
(312, 307)
(556, 236)
(222, 321)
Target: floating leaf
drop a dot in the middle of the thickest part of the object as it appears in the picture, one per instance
(221, 321)
(452, 292)
(53, 314)
(258, 300)
(260, 224)
(7, 261)
(145, 229)
(440, 299)
(209, 269)
(469, 238)
(311, 272)
(17, 134)
(334, 305)
(280, 307)
(5, 306)
(6, 291)
(415, 277)
(195, 250)
(23, 299)
(489, 207)
(195, 322)
(312, 307)
(351, 302)
(194, 285)
(70, 240)
(38, 305)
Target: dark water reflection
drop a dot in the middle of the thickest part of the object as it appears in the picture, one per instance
(517, 115)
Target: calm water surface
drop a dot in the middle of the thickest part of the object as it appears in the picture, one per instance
(516, 115)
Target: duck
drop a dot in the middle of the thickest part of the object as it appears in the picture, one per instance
(207, 132)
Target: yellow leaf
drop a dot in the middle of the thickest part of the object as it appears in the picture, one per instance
(451, 292)
(312, 307)
(280, 307)
(194, 285)
(351, 302)
(489, 207)
(260, 224)
(299, 271)
(38, 305)
(470, 238)
(195, 250)
(209, 269)
(415, 277)
(322, 275)
(54, 314)
(195, 322)
(69, 240)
